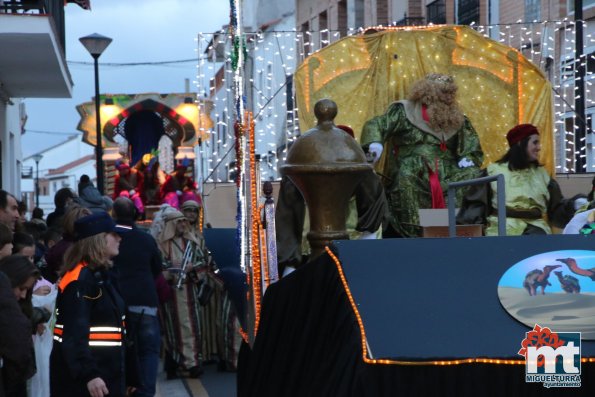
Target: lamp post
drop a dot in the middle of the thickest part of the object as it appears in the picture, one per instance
(37, 158)
(96, 44)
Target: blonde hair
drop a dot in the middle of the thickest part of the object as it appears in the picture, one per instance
(92, 250)
(73, 213)
(434, 91)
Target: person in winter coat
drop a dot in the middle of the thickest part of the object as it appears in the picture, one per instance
(91, 198)
(18, 365)
(88, 356)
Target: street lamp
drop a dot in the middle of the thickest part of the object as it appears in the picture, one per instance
(96, 44)
(37, 158)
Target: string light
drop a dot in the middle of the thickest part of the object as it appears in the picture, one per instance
(274, 123)
(255, 253)
(546, 43)
(368, 360)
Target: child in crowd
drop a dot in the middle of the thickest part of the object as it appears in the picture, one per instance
(43, 299)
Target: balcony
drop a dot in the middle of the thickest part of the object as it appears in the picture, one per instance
(33, 63)
(26, 172)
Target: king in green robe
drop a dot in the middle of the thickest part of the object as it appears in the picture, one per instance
(430, 144)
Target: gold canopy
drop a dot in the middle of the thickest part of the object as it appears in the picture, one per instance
(498, 86)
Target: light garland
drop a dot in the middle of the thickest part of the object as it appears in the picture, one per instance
(255, 243)
(545, 43)
(364, 343)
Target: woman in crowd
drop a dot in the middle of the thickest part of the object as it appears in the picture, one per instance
(532, 197)
(54, 256)
(88, 354)
(22, 274)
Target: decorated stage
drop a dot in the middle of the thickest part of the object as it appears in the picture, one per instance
(404, 317)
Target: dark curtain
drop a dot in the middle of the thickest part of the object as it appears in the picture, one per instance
(143, 130)
(308, 344)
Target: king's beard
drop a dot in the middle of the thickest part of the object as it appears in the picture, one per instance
(445, 117)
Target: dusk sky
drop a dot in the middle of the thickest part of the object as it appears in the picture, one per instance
(142, 31)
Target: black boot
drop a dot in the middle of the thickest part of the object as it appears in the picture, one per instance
(196, 371)
(171, 367)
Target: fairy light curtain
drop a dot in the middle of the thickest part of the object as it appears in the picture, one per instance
(548, 45)
(498, 86)
(502, 82)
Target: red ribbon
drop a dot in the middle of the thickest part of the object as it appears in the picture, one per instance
(435, 187)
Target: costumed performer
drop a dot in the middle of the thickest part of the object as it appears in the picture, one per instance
(431, 143)
(180, 315)
(533, 198)
(179, 187)
(367, 211)
(219, 326)
(129, 183)
(153, 178)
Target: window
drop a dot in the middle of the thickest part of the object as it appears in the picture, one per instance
(436, 12)
(322, 26)
(382, 12)
(586, 4)
(224, 129)
(359, 13)
(567, 69)
(342, 17)
(532, 10)
(289, 92)
(467, 12)
(269, 89)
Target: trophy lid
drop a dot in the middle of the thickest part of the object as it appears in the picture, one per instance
(325, 144)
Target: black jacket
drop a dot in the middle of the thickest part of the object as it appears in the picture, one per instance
(88, 335)
(16, 345)
(136, 267)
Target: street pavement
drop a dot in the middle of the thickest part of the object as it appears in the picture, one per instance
(211, 384)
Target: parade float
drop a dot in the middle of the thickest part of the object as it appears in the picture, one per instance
(415, 316)
(148, 132)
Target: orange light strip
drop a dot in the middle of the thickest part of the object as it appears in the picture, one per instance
(368, 360)
(255, 253)
(201, 218)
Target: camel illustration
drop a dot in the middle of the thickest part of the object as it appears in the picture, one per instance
(569, 284)
(571, 263)
(538, 278)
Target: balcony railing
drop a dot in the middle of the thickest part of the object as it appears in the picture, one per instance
(23, 6)
(26, 172)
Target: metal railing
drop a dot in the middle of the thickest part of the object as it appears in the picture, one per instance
(501, 199)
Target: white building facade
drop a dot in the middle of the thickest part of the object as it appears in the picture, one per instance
(60, 166)
(32, 65)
